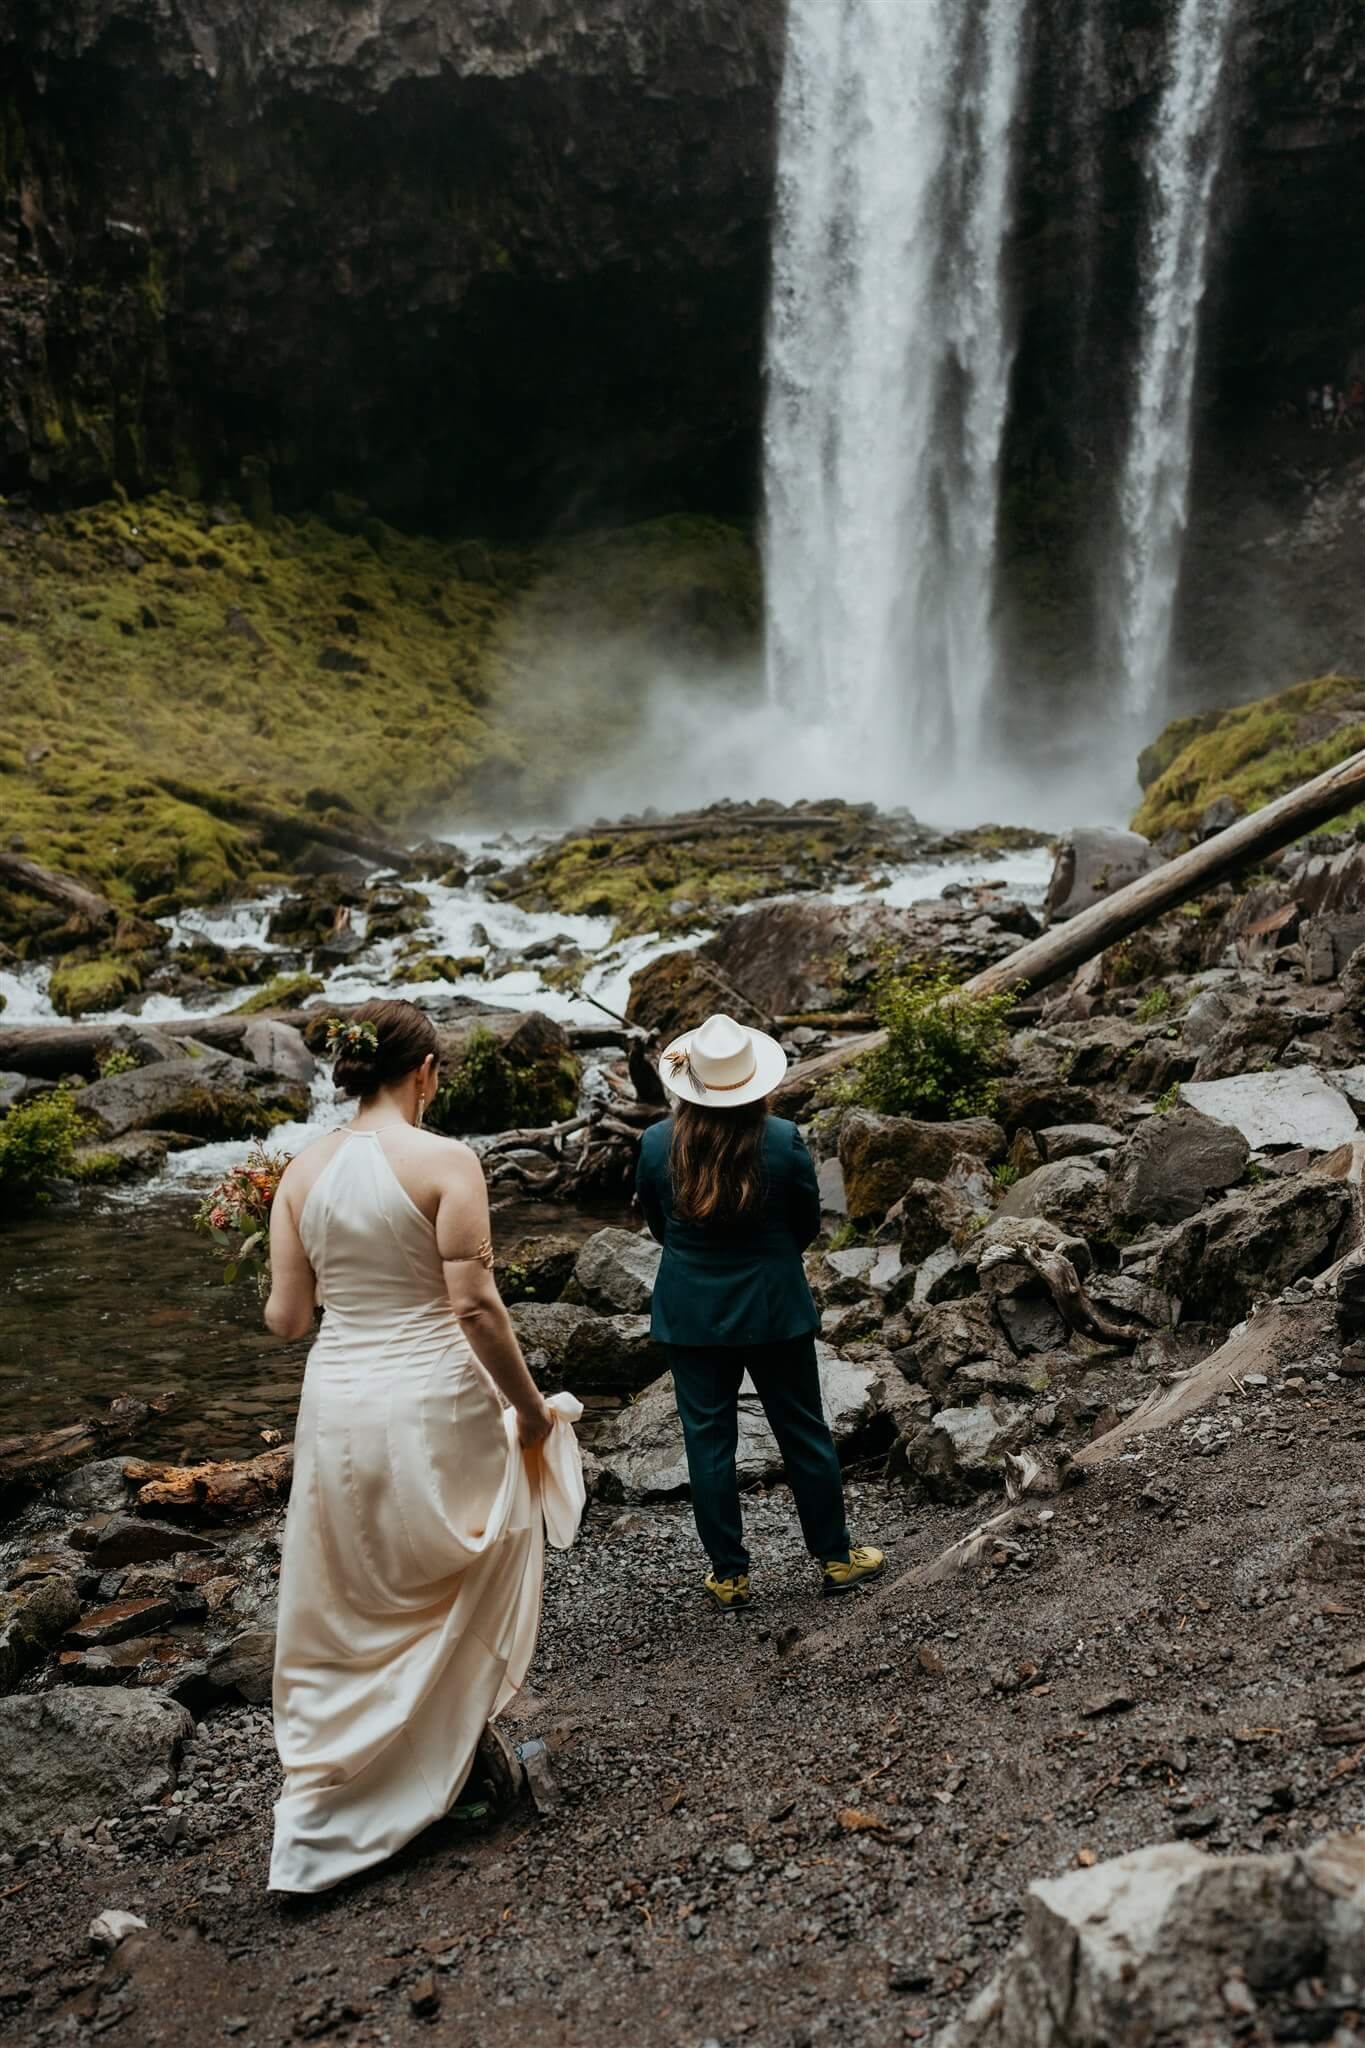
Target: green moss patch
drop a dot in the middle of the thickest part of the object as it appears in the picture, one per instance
(186, 701)
(1252, 753)
(80, 987)
(285, 992)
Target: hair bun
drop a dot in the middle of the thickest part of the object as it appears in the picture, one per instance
(379, 1044)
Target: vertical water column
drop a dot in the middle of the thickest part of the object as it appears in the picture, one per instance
(888, 367)
(1183, 157)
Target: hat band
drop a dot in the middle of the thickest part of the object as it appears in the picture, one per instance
(681, 1062)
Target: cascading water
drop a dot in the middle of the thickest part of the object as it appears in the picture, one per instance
(1183, 157)
(889, 353)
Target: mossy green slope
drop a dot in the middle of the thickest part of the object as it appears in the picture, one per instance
(1252, 753)
(164, 669)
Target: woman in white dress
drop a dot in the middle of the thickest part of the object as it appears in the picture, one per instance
(410, 1586)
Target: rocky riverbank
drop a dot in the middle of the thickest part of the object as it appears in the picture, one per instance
(1068, 1332)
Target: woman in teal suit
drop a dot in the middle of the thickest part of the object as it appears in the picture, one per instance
(730, 1193)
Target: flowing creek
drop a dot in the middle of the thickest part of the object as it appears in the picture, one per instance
(114, 1291)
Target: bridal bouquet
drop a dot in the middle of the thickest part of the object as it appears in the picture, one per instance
(236, 1215)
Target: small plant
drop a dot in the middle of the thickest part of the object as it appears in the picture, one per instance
(1156, 1003)
(944, 1052)
(1005, 1175)
(38, 1143)
(845, 1239)
(118, 1060)
(1168, 1100)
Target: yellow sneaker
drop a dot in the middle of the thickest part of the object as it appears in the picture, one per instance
(863, 1563)
(728, 1594)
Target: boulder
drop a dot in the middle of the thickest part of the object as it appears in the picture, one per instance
(615, 1272)
(1077, 1141)
(504, 1070)
(928, 1215)
(812, 954)
(950, 1337)
(833, 1194)
(1247, 1044)
(643, 1445)
(1204, 1016)
(208, 1097)
(31, 1622)
(76, 1754)
(1094, 862)
(570, 1346)
(1170, 1945)
(682, 989)
(1065, 1191)
(1291, 1106)
(246, 1665)
(961, 1451)
(1250, 1245)
(99, 1483)
(536, 1269)
(1168, 1170)
(278, 1050)
(882, 1156)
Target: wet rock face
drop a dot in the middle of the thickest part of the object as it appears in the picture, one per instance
(448, 228)
(230, 229)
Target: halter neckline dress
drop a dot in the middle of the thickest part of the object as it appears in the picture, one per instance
(413, 1557)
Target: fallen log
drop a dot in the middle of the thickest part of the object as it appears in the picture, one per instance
(215, 1491)
(28, 1463)
(63, 890)
(1068, 946)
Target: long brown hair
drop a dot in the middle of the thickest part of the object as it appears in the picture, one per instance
(716, 1162)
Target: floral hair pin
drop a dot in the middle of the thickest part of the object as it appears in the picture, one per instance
(350, 1039)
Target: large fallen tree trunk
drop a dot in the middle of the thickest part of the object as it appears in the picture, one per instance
(1067, 946)
(218, 1491)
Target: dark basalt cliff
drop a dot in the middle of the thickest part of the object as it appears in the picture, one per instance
(500, 261)
(503, 262)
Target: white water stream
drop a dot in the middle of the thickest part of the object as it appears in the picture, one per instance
(468, 921)
(889, 353)
(1184, 150)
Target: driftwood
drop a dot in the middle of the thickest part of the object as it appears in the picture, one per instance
(1067, 946)
(215, 1492)
(1071, 1301)
(28, 1463)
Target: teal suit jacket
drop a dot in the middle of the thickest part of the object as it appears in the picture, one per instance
(734, 1283)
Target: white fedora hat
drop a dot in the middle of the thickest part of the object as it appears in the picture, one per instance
(722, 1065)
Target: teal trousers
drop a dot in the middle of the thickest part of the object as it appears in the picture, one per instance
(787, 1379)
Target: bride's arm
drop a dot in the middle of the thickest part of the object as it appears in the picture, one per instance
(462, 1238)
(293, 1285)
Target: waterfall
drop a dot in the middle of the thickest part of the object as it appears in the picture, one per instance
(1182, 165)
(889, 352)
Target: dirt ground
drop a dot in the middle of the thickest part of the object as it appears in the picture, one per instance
(812, 1823)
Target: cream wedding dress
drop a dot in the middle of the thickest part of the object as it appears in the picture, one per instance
(410, 1587)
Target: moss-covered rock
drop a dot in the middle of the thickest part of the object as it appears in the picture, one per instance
(675, 874)
(504, 1071)
(79, 987)
(440, 967)
(283, 992)
(1252, 753)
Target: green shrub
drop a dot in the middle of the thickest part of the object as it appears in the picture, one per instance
(489, 1091)
(38, 1143)
(118, 1060)
(944, 1050)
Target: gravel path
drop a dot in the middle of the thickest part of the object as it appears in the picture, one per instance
(812, 1823)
